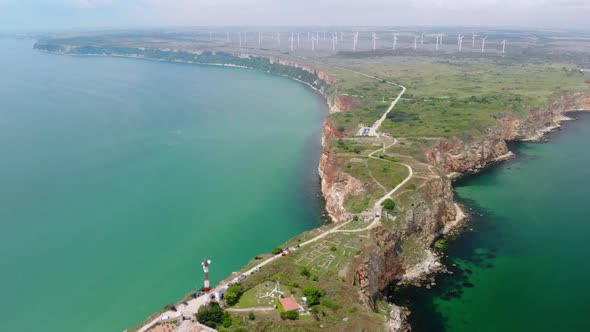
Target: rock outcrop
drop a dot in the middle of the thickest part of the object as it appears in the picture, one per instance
(388, 259)
(464, 157)
(340, 103)
(336, 185)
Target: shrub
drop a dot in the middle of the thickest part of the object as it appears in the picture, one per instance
(305, 272)
(290, 315)
(251, 316)
(330, 304)
(210, 315)
(355, 218)
(313, 295)
(226, 320)
(411, 186)
(170, 307)
(233, 294)
(341, 129)
(388, 204)
(440, 245)
(277, 250)
(333, 248)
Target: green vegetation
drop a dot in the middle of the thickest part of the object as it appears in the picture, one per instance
(305, 272)
(290, 315)
(330, 304)
(451, 96)
(441, 245)
(233, 294)
(213, 315)
(388, 204)
(313, 295)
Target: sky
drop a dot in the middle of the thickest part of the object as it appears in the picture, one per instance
(68, 14)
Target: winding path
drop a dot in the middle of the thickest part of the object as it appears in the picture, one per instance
(194, 304)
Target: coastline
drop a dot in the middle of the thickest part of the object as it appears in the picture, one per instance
(430, 269)
(553, 132)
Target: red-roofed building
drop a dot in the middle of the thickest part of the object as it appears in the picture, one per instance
(290, 303)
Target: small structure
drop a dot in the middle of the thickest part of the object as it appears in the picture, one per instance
(206, 285)
(290, 304)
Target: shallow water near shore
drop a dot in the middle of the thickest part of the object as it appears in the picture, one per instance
(119, 176)
(524, 264)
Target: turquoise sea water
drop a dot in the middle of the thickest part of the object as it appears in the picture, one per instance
(525, 265)
(118, 176)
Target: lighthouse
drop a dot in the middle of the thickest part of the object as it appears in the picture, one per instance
(205, 265)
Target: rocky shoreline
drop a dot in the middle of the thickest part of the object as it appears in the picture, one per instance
(436, 213)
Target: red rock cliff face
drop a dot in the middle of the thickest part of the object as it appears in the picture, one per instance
(336, 185)
(461, 157)
(340, 103)
(384, 261)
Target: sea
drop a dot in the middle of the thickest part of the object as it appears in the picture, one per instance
(522, 263)
(118, 177)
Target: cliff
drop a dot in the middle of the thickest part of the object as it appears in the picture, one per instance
(463, 157)
(397, 252)
(392, 255)
(336, 185)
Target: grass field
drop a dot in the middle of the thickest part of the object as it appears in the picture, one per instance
(449, 97)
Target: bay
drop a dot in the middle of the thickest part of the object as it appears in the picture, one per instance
(119, 176)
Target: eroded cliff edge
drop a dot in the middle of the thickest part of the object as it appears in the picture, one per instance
(400, 253)
(386, 259)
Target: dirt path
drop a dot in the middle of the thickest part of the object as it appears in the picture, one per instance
(194, 304)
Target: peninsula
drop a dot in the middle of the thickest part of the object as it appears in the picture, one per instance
(408, 113)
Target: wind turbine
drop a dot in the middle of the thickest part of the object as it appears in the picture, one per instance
(227, 35)
(473, 35)
(259, 39)
(279, 39)
(483, 43)
(245, 37)
(341, 36)
(438, 38)
(298, 34)
(334, 41)
(324, 35)
(313, 43)
(422, 38)
(292, 39)
(209, 36)
(441, 37)
(395, 40)
(374, 41)
(416, 42)
(355, 41)
(460, 41)
(240, 38)
(504, 46)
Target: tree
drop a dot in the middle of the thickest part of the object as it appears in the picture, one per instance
(290, 315)
(233, 294)
(226, 320)
(210, 315)
(305, 272)
(313, 295)
(277, 250)
(388, 204)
